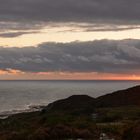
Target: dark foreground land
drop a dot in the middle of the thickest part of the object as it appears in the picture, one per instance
(79, 116)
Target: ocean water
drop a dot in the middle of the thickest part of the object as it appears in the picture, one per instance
(16, 96)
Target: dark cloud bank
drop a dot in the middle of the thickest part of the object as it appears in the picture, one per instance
(70, 10)
(101, 56)
(34, 14)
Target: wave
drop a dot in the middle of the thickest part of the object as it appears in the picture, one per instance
(29, 108)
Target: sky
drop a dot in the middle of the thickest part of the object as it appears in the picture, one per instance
(68, 39)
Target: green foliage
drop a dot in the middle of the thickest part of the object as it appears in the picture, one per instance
(59, 124)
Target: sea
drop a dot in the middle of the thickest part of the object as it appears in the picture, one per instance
(25, 96)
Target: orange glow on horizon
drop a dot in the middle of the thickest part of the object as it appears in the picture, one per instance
(12, 74)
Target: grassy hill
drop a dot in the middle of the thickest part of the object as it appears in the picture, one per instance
(125, 97)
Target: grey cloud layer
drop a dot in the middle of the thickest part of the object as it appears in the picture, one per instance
(101, 56)
(70, 10)
(98, 15)
(15, 29)
(15, 34)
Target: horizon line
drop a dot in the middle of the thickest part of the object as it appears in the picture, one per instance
(69, 80)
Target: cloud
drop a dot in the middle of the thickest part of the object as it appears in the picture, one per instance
(22, 25)
(9, 71)
(70, 10)
(108, 14)
(15, 34)
(87, 15)
(15, 29)
(103, 56)
(100, 27)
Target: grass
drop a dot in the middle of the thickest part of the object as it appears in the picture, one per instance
(47, 125)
